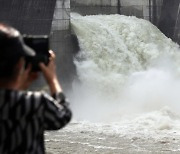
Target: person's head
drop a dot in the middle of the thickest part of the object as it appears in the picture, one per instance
(12, 50)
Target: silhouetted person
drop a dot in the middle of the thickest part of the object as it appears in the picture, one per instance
(25, 115)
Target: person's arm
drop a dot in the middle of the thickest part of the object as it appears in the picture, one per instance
(57, 114)
(49, 73)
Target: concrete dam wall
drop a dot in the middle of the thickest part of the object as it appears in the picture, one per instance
(30, 17)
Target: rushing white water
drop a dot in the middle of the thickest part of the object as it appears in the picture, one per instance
(127, 98)
(129, 73)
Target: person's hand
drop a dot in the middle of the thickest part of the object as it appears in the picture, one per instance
(50, 75)
(28, 77)
(49, 71)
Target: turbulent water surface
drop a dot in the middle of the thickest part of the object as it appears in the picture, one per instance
(127, 95)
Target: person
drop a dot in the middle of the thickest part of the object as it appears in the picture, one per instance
(24, 114)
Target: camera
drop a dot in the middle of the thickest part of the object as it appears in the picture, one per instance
(40, 44)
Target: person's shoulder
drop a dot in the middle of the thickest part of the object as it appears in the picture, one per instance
(42, 94)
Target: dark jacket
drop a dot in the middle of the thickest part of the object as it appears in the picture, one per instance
(24, 116)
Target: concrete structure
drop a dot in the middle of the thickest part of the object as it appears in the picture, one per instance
(170, 19)
(139, 8)
(61, 18)
(29, 16)
(62, 42)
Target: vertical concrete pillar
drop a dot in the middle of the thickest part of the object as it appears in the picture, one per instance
(61, 43)
(61, 17)
(169, 14)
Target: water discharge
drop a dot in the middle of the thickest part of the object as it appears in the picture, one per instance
(127, 96)
(125, 66)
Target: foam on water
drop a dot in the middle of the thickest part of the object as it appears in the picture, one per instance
(128, 74)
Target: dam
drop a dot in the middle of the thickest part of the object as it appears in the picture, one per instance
(52, 18)
(121, 72)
